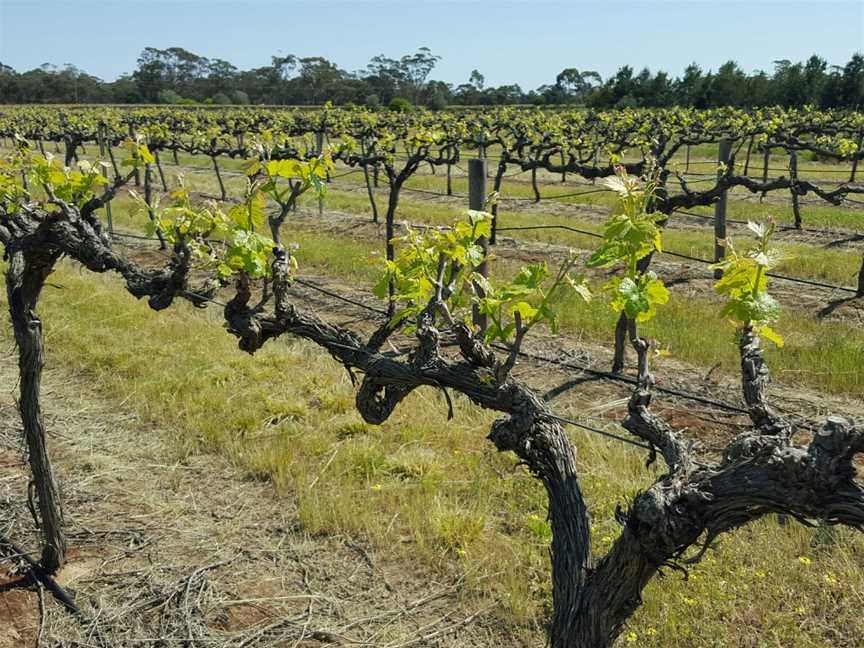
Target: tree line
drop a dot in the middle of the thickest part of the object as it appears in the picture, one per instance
(178, 76)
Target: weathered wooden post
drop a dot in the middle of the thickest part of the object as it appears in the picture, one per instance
(855, 161)
(159, 167)
(110, 218)
(765, 161)
(137, 173)
(223, 196)
(747, 159)
(793, 175)
(477, 201)
(319, 149)
(496, 187)
(720, 208)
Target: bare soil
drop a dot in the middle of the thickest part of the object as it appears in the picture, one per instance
(167, 550)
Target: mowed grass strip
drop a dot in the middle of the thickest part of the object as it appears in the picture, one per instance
(824, 355)
(806, 260)
(836, 266)
(420, 488)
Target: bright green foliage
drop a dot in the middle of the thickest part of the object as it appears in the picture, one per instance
(227, 242)
(745, 284)
(285, 179)
(631, 235)
(248, 252)
(249, 214)
(138, 153)
(424, 137)
(244, 249)
(637, 297)
(429, 261)
(527, 297)
(12, 192)
(414, 271)
(71, 185)
(845, 147)
(12, 169)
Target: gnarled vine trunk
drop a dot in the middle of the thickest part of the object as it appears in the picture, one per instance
(370, 193)
(760, 472)
(25, 278)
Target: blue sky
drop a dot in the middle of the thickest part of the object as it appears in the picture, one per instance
(524, 42)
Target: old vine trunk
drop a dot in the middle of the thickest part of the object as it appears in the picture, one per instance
(25, 278)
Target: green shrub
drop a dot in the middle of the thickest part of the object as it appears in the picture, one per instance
(398, 104)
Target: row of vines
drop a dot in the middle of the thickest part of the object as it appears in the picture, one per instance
(237, 254)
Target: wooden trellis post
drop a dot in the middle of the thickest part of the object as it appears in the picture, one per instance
(477, 201)
(720, 210)
(793, 174)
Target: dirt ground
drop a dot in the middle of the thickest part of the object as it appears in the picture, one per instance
(167, 552)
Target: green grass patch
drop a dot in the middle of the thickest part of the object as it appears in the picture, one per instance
(818, 354)
(423, 489)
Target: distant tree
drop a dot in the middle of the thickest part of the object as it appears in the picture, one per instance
(277, 76)
(790, 88)
(372, 101)
(621, 88)
(284, 66)
(400, 104)
(437, 95)
(289, 79)
(384, 77)
(239, 97)
(169, 96)
(153, 74)
(690, 89)
(814, 79)
(759, 89)
(405, 77)
(832, 91)
(728, 86)
(502, 95)
(852, 85)
(262, 85)
(415, 69)
(175, 68)
(221, 76)
(471, 93)
(9, 85)
(123, 90)
(574, 86)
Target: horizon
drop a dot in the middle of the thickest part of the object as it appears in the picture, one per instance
(165, 24)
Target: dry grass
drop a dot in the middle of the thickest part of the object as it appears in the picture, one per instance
(431, 493)
(169, 547)
(425, 490)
